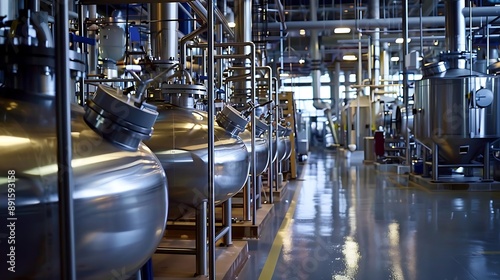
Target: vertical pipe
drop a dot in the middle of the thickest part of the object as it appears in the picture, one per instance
(243, 33)
(211, 113)
(315, 58)
(226, 218)
(92, 62)
(435, 162)
(82, 11)
(486, 159)
(405, 77)
(425, 171)
(375, 14)
(64, 144)
(336, 101)
(276, 123)
(170, 26)
(34, 5)
(454, 25)
(253, 171)
(201, 238)
(9, 9)
(247, 200)
(270, 140)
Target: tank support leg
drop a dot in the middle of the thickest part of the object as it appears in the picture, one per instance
(227, 221)
(435, 162)
(246, 201)
(486, 167)
(425, 171)
(201, 238)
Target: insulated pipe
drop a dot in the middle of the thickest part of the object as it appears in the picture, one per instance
(362, 24)
(64, 144)
(455, 26)
(9, 9)
(243, 18)
(164, 30)
(316, 60)
(375, 14)
(482, 11)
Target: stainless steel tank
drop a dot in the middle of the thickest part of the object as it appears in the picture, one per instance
(180, 142)
(120, 197)
(457, 111)
(261, 150)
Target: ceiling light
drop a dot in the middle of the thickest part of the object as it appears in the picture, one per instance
(284, 75)
(302, 32)
(302, 61)
(349, 57)
(401, 40)
(231, 24)
(395, 58)
(342, 30)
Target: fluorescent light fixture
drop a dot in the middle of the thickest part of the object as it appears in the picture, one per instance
(284, 75)
(302, 32)
(401, 40)
(342, 30)
(349, 57)
(395, 58)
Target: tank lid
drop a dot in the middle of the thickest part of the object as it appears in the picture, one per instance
(231, 120)
(434, 68)
(118, 118)
(494, 68)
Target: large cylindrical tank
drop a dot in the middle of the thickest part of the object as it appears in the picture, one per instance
(261, 150)
(457, 111)
(120, 197)
(180, 141)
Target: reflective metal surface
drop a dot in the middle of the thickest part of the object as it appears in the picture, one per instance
(449, 113)
(280, 148)
(180, 142)
(261, 150)
(120, 197)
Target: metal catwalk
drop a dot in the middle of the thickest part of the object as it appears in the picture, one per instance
(345, 221)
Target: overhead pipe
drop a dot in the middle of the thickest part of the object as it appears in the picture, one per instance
(200, 10)
(363, 24)
(316, 60)
(243, 18)
(375, 14)
(455, 25)
(164, 30)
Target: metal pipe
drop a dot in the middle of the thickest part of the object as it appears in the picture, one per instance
(170, 25)
(201, 238)
(486, 159)
(375, 14)
(253, 171)
(180, 251)
(243, 18)
(200, 10)
(315, 60)
(34, 5)
(481, 11)
(405, 78)
(425, 171)
(64, 144)
(276, 123)
(227, 221)
(211, 141)
(371, 24)
(92, 62)
(247, 200)
(435, 162)
(455, 25)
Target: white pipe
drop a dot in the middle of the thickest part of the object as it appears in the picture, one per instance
(316, 61)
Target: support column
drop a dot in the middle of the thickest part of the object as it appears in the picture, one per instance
(201, 238)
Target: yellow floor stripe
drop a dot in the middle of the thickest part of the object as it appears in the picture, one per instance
(274, 253)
